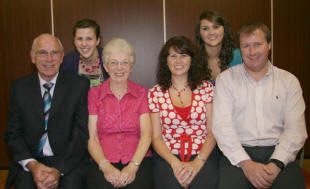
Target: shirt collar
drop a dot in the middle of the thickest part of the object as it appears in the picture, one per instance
(42, 81)
(132, 89)
(270, 70)
(107, 90)
(268, 73)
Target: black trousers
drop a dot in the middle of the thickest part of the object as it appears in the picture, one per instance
(75, 179)
(233, 177)
(207, 177)
(143, 180)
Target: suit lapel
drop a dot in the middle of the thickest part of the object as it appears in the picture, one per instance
(60, 91)
(35, 94)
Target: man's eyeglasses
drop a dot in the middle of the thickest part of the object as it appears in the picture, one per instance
(45, 54)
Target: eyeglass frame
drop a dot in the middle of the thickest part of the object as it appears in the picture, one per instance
(44, 54)
(114, 63)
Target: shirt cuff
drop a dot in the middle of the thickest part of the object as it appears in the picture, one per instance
(280, 155)
(23, 163)
(238, 156)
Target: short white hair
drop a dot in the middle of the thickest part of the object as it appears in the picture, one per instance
(118, 45)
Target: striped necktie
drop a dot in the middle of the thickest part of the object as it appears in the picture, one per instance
(47, 99)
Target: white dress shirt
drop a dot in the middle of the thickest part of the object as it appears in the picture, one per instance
(47, 150)
(268, 112)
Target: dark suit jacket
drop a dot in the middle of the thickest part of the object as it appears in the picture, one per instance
(71, 63)
(67, 124)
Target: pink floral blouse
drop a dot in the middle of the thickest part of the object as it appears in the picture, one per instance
(118, 124)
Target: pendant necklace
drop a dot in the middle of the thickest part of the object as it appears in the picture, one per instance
(120, 93)
(91, 68)
(179, 93)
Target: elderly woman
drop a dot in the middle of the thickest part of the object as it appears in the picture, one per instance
(119, 125)
(181, 106)
(216, 43)
(86, 58)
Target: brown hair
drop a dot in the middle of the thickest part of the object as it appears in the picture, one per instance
(182, 45)
(87, 23)
(251, 27)
(228, 43)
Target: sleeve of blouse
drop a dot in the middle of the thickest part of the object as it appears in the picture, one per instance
(93, 100)
(153, 101)
(144, 102)
(209, 91)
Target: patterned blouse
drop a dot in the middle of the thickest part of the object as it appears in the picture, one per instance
(182, 136)
(118, 124)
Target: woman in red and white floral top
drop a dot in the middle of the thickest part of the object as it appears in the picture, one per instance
(180, 106)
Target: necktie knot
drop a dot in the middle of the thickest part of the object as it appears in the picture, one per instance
(48, 86)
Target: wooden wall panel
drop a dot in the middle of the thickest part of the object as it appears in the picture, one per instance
(182, 15)
(291, 46)
(138, 21)
(141, 23)
(20, 22)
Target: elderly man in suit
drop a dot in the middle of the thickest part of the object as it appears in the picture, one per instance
(47, 122)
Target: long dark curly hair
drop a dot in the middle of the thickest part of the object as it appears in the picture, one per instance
(228, 43)
(181, 45)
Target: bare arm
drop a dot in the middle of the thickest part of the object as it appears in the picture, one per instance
(128, 173)
(210, 142)
(145, 138)
(205, 151)
(111, 174)
(162, 150)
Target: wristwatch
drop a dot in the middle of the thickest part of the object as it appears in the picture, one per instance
(135, 163)
(277, 162)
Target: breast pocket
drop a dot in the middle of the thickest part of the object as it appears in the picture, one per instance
(276, 105)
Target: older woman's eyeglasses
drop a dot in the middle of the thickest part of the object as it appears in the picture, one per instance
(116, 63)
(45, 54)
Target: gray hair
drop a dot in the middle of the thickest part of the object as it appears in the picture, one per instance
(118, 45)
